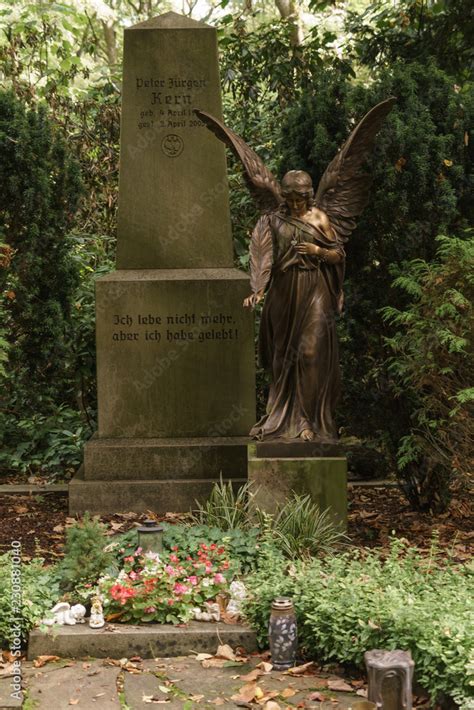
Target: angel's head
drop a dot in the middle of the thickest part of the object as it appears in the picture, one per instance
(297, 190)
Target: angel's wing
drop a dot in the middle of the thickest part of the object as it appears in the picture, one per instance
(260, 181)
(343, 190)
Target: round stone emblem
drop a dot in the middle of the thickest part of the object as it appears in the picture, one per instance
(172, 145)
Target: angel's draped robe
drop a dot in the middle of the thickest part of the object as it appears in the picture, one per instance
(298, 341)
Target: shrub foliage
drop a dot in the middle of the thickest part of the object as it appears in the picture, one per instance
(349, 603)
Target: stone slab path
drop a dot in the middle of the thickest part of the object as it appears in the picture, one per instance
(175, 683)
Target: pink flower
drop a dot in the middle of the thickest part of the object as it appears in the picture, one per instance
(174, 558)
(180, 588)
(150, 609)
(170, 602)
(133, 575)
(139, 551)
(193, 580)
(171, 571)
(129, 559)
(219, 578)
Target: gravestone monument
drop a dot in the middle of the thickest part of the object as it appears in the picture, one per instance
(175, 348)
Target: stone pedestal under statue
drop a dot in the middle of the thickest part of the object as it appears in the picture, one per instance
(277, 469)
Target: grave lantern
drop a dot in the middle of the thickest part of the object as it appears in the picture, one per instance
(390, 678)
(150, 537)
(282, 634)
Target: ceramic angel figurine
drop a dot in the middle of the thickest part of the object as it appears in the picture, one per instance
(63, 614)
(96, 620)
(297, 262)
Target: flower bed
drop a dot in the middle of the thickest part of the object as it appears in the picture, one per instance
(151, 588)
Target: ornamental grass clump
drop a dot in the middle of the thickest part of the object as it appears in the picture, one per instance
(349, 603)
(299, 529)
(226, 508)
(164, 589)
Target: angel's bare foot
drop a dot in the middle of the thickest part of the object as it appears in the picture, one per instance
(307, 435)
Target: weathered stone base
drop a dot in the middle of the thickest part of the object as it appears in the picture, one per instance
(145, 640)
(162, 475)
(325, 479)
(121, 496)
(161, 459)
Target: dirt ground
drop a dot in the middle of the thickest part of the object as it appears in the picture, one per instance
(39, 520)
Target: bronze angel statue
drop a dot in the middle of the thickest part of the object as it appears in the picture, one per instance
(297, 262)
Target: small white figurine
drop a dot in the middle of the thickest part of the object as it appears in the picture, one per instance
(212, 612)
(61, 614)
(96, 620)
(237, 595)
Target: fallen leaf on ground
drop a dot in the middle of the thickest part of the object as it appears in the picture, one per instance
(217, 701)
(42, 660)
(164, 689)
(74, 701)
(225, 651)
(271, 705)
(268, 696)
(196, 698)
(287, 693)
(246, 693)
(340, 685)
(265, 667)
(300, 670)
(203, 656)
(8, 656)
(362, 692)
(229, 618)
(318, 697)
(214, 663)
(253, 675)
(131, 668)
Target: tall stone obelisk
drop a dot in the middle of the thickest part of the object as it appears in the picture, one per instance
(175, 352)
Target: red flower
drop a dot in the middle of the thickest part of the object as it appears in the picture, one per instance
(150, 584)
(120, 593)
